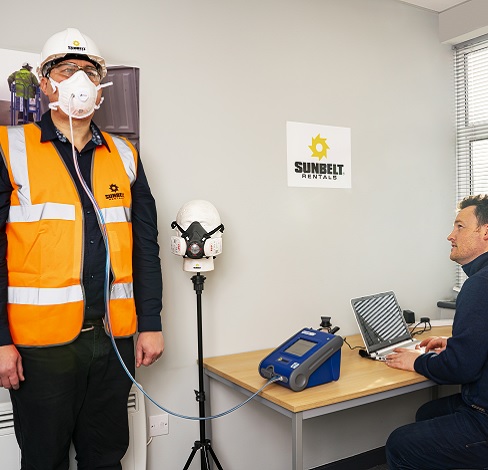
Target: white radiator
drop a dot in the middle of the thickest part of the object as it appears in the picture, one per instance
(9, 450)
(134, 459)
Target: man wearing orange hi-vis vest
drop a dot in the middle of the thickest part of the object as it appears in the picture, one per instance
(80, 274)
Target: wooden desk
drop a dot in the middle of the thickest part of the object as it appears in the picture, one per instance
(361, 381)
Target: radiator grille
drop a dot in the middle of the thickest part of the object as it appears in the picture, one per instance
(6, 419)
(133, 403)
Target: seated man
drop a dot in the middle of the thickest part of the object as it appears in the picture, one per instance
(452, 432)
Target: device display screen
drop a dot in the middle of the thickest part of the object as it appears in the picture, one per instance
(300, 347)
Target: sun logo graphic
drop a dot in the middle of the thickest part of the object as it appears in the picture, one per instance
(319, 147)
(76, 43)
(114, 192)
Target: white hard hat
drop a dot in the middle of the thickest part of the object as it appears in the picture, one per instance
(70, 42)
(199, 210)
(202, 219)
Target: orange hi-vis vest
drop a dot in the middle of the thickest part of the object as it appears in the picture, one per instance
(45, 237)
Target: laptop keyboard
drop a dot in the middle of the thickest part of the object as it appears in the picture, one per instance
(381, 354)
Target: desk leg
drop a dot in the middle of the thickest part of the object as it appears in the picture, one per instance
(297, 441)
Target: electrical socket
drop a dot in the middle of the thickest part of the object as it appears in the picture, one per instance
(158, 425)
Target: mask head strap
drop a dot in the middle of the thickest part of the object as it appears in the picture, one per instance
(184, 233)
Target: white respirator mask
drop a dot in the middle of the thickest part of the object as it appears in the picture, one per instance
(77, 95)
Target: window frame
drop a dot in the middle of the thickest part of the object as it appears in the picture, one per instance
(471, 98)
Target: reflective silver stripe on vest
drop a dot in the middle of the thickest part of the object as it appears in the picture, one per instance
(36, 212)
(116, 214)
(27, 212)
(18, 162)
(61, 295)
(127, 158)
(44, 296)
(122, 291)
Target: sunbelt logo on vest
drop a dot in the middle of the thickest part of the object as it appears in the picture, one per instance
(114, 192)
(318, 156)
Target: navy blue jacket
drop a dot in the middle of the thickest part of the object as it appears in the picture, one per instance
(465, 359)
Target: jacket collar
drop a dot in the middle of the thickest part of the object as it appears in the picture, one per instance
(50, 132)
(477, 264)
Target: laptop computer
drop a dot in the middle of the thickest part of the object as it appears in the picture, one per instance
(382, 325)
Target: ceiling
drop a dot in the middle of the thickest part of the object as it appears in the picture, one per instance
(435, 5)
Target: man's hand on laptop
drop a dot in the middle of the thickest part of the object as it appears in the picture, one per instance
(434, 344)
(403, 358)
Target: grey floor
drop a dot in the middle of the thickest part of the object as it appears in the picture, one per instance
(380, 467)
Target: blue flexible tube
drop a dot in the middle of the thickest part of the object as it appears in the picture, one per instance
(103, 228)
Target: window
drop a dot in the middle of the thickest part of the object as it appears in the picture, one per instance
(471, 87)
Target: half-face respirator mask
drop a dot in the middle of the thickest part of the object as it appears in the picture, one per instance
(195, 224)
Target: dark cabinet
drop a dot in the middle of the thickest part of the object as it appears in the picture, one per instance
(119, 112)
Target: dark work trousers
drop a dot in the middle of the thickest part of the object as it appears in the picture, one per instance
(447, 434)
(77, 392)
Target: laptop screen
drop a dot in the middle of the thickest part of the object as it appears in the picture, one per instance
(380, 320)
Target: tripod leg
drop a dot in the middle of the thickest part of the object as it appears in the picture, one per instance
(216, 460)
(188, 462)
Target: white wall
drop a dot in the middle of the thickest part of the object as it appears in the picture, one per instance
(219, 80)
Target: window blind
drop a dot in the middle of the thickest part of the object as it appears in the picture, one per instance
(471, 89)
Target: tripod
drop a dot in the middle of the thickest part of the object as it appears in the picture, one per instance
(203, 445)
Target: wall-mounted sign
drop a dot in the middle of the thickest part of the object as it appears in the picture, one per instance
(318, 156)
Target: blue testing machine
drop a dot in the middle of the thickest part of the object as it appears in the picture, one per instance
(310, 357)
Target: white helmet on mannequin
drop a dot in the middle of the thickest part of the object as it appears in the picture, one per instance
(71, 43)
